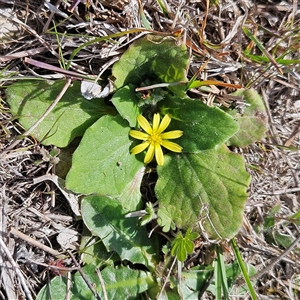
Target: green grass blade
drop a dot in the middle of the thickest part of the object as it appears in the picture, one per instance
(261, 48)
(222, 273)
(103, 38)
(143, 16)
(61, 57)
(163, 8)
(218, 280)
(259, 59)
(243, 269)
(111, 36)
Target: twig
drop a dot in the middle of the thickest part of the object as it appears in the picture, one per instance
(17, 269)
(34, 242)
(69, 286)
(20, 54)
(53, 267)
(167, 278)
(276, 260)
(7, 280)
(84, 276)
(102, 284)
(10, 17)
(158, 85)
(285, 191)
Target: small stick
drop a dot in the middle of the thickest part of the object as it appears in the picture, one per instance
(53, 267)
(102, 283)
(17, 269)
(84, 276)
(33, 242)
(167, 278)
(284, 191)
(275, 260)
(144, 88)
(20, 54)
(68, 287)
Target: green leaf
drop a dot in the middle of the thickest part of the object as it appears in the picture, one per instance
(126, 102)
(194, 281)
(253, 120)
(155, 57)
(122, 283)
(105, 218)
(232, 272)
(283, 240)
(247, 270)
(182, 246)
(282, 61)
(203, 127)
(130, 197)
(262, 48)
(102, 162)
(70, 118)
(178, 248)
(295, 218)
(165, 217)
(209, 187)
(149, 215)
(93, 251)
(269, 220)
(220, 276)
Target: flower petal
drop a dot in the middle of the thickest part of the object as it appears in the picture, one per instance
(138, 135)
(171, 146)
(159, 154)
(164, 124)
(150, 154)
(139, 148)
(174, 134)
(144, 124)
(156, 120)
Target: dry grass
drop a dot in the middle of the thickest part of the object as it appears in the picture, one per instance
(33, 215)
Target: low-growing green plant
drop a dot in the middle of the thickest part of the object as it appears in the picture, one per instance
(200, 184)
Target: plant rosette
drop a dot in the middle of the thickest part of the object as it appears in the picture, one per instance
(201, 184)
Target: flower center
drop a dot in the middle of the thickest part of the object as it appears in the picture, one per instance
(154, 138)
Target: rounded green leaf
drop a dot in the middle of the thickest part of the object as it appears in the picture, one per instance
(72, 115)
(203, 127)
(102, 162)
(183, 245)
(105, 218)
(156, 57)
(126, 102)
(206, 191)
(194, 281)
(253, 119)
(121, 283)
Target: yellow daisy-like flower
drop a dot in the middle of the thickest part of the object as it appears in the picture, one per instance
(154, 138)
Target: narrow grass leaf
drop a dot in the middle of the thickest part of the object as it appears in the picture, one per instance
(262, 48)
(222, 271)
(143, 16)
(243, 269)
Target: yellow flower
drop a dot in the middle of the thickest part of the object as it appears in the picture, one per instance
(154, 138)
